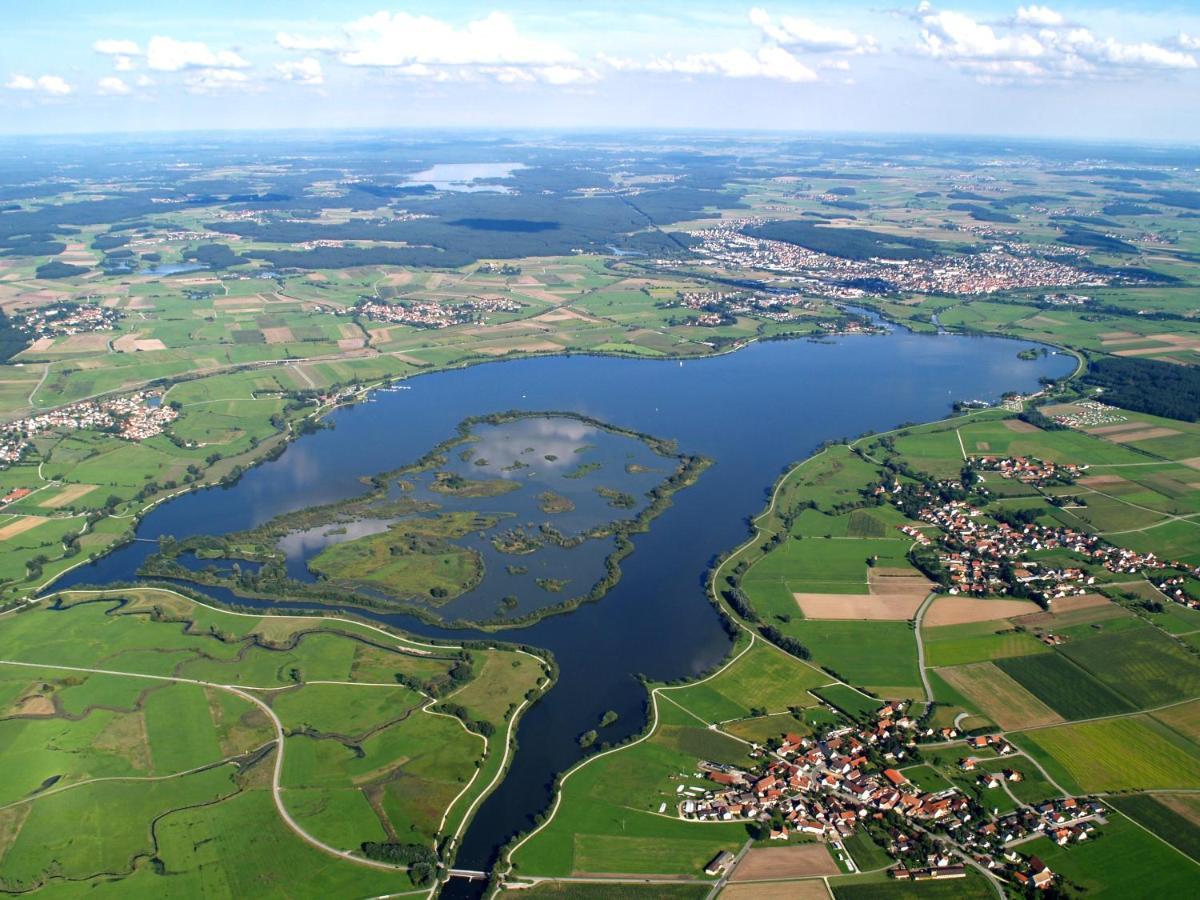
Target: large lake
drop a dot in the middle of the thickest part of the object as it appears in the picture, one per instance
(753, 412)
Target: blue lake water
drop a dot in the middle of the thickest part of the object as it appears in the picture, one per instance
(753, 412)
(466, 177)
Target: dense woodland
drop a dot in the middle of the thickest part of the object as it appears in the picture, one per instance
(1149, 386)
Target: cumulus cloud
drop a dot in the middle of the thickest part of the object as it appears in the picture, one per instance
(305, 71)
(166, 54)
(112, 86)
(123, 52)
(1038, 47)
(1042, 16)
(797, 33)
(401, 39)
(768, 62)
(420, 46)
(1187, 41)
(308, 44)
(111, 47)
(208, 81)
(53, 85)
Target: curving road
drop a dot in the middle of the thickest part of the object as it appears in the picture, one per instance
(276, 775)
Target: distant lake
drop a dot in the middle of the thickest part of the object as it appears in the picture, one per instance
(465, 176)
(753, 412)
(174, 268)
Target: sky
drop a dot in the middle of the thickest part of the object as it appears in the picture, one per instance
(1117, 70)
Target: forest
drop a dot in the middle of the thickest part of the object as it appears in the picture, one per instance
(1146, 385)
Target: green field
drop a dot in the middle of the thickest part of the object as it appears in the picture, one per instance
(1063, 686)
(764, 677)
(364, 758)
(598, 828)
(1101, 756)
(1121, 861)
(1143, 664)
(1149, 811)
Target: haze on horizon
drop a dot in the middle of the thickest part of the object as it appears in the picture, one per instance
(1108, 70)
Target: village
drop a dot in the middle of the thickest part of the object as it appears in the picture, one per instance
(63, 319)
(827, 787)
(722, 307)
(990, 557)
(430, 314)
(135, 417)
(1003, 266)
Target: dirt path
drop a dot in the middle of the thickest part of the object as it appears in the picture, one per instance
(277, 773)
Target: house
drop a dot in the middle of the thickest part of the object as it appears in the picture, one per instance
(720, 863)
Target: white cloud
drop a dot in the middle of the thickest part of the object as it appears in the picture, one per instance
(53, 85)
(1052, 51)
(207, 81)
(122, 52)
(804, 34)
(166, 54)
(954, 35)
(117, 48)
(1145, 55)
(768, 62)
(418, 46)
(112, 85)
(305, 71)
(302, 42)
(1042, 16)
(1187, 41)
(402, 39)
(144, 81)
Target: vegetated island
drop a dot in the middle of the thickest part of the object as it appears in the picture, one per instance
(424, 545)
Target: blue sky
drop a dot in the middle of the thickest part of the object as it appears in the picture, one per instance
(1104, 70)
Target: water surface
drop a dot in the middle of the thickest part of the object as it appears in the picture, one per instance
(753, 412)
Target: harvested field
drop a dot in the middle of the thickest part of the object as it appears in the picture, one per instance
(20, 526)
(42, 343)
(998, 696)
(813, 889)
(281, 335)
(857, 606)
(562, 314)
(1073, 611)
(82, 343)
(249, 304)
(1113, 336)
(67, 495)
(355, 343)
(773, 863)
(961, 610)
(1082, 601)
(34, 705)
(1097, 480)
(1114, 429)
(898, 583)
(521, 346)
(1193, 463)
(1140, 351)
(1187, 805)
(1147, 434)
(1020, 427)
(539, 294)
